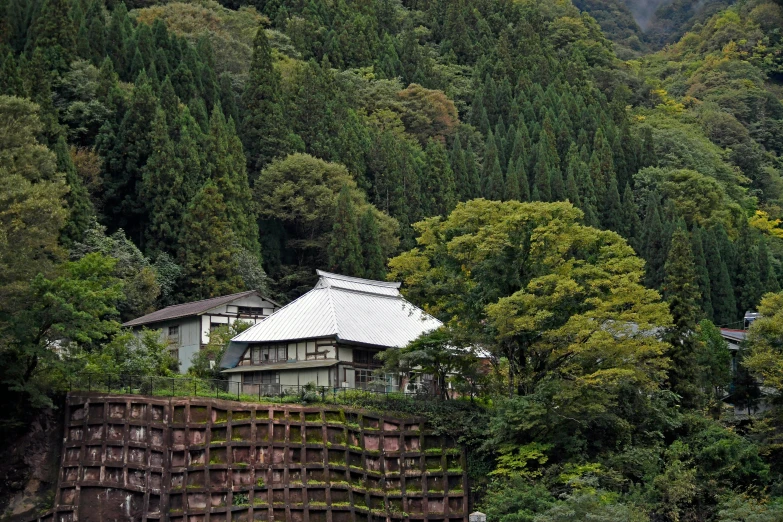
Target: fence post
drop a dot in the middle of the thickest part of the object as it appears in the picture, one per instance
(172, 387)
(238, 391)
(259, 393)
(195, 388)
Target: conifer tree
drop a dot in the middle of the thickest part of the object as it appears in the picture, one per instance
(571, 189)
(162, 191)
(724, 307)
(11, 83)
(438, 186)
(632, 225)
(611, 209)
(702, 273)
(682, 294)
(344, 251)
(225, 162)
(577, 169)
(490, 158)
(542, 173)
(520, 152)
(54, 32)
(748, 289)
(81, 211)
(125, 155)
(557, 185)
(473, 175)
(190, 152)
(264, 128)
(511, 189)
(372, 253)
(495, 186)
(460, 170)
(654, 251)
(601, 165)
(208, 251)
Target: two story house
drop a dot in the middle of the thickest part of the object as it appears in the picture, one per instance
(186, 326)
(328, 337)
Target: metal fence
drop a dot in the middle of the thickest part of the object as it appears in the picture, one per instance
(237, 391)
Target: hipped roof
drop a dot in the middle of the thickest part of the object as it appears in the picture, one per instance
(349, 309)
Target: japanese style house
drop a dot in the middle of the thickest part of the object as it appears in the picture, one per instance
(186, 327)
(327, 337)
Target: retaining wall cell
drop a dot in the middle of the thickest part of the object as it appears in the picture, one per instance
(129, 458)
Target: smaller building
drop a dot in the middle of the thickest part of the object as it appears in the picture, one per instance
(186, 326)
(328, 337)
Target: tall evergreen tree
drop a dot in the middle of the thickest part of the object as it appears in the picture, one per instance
(601, 165)
(345, 252)
(631, 224)
(702, 274)
(489, 186)
(438, 186)
(557, 185)
(654, 251)
(55, 33)
(81, 211)
(681, 292)
(577, 169)
(372, 253)
(473, 173)
(460, 169)
(125, 154)
(748, 288)
(512, 188)
(265, 130)
(208, 249)
(162, 191)
(225, 162)
(724, 305)
(611, 209)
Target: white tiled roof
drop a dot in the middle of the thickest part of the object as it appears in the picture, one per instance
(352, 310)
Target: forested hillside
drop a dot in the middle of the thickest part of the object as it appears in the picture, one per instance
(155, 152)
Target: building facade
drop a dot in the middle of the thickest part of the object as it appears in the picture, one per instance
(186, 327)
(328, 337)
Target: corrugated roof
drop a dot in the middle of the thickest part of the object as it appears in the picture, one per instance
(328, 280)
(298, 365)
(352, 310)
(188, 309)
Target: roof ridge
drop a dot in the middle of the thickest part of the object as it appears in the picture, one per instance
(373, 282)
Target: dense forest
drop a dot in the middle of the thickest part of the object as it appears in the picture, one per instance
(154, 152)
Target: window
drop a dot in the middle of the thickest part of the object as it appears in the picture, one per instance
(260, 378)
(173, 334)
(271, 353)
(250, 310)
(363, 378)
(215, 326)
(365, 357)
